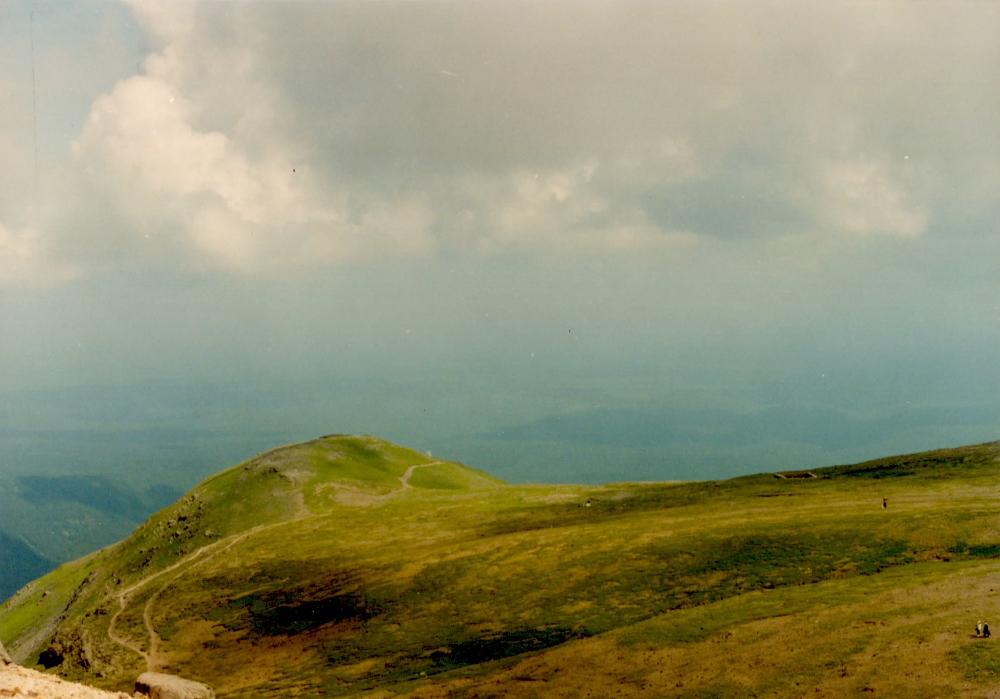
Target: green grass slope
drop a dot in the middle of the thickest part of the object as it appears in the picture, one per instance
(348, 566)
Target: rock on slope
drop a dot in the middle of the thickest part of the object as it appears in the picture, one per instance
(157, 685)
(19, 682)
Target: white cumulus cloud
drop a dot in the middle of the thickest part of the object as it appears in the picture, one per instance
(297, 135)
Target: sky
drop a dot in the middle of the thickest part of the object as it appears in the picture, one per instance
(558, 239)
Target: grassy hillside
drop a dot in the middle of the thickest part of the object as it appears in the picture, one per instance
(349, 565)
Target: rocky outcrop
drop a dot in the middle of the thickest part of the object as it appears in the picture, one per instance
(67, 649)
(18, 682)
(157, 685)
(4, 658)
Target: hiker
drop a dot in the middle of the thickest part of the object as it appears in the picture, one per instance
(986, 630)
(979, 629)
(885, 503)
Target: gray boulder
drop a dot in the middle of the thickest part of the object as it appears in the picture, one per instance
(157, 685)
(4, 657)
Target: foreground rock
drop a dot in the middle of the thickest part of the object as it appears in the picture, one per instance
(21, 683)
(4, 658)
(157, 685)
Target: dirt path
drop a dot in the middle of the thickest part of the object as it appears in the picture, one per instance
(153, 657)
(404, 480)
(154, 660)
(197, 556)
(350, 495)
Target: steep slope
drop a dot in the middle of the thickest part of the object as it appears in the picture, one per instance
(348, 565)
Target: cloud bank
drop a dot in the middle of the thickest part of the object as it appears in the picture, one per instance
(268, 137)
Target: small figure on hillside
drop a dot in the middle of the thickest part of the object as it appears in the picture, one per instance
(986, 630)
(885, 503)
(588, 503)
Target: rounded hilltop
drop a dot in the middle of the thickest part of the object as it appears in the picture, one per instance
(292, 482)
(349, 565)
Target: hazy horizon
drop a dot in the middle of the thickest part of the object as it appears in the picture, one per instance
(560, 241)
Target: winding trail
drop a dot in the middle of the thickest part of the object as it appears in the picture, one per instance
(404, 480)
(153, 656)
(191, 558)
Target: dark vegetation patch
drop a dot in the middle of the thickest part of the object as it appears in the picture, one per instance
(883, 471)
(50, 658)
(603, 504)
(502, 645)
(944, 463)
(323, 595)
(66, 650)
(622, 589)
(456, 650)
(976, 550)
(283, 613)
(575, 592)
(795, 558)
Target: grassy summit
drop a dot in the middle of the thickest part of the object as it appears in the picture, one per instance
(348, 565)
